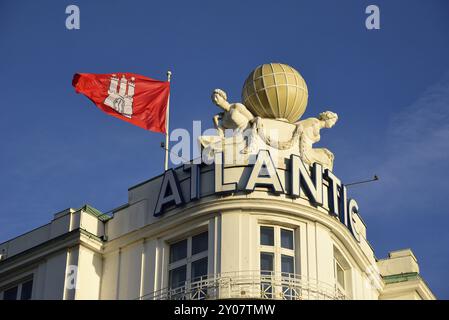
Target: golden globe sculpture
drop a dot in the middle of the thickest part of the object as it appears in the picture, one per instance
(275, 91)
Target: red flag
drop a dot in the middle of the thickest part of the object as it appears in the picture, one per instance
(128, 96)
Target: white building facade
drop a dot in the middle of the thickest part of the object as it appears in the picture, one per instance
(238, 244)
(263, 217)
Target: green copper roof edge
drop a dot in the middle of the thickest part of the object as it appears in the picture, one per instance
(95, 212)
(401, 277)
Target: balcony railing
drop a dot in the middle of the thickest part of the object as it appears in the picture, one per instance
(249, 285)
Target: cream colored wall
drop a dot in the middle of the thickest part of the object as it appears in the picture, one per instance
(130, 271)
(151, 255)
(407, 290)
(232, 243)
(110, 278)
(324, 254)
(140, 267)
(142, 201)
(133, 262)
(314, 252)
(51, 251)
(398, 262)
(91, 224)
(49, 275)
(403, 265)
(62, 223)
(52, 277)
(234, 234)
(137, 264)
(90, 270)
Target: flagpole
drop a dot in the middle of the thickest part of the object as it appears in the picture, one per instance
(167, 120)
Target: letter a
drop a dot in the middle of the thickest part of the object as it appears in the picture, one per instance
(170, 192)
(373, 20)
(264, 174)
(73, 20)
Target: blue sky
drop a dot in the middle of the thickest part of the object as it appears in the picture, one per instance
(390, 88)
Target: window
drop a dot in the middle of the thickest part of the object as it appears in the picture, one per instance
(177, 276)
(277, 256)
(266, 261)
(199, 243)
(339, 276)
(178, 251)
(11, 293)
(199, 269)
(267, 236)
(287, 264)
(21, 291)
(27, 288)
(277, 250)
(342, 274)
(188, 260)
(287, 239)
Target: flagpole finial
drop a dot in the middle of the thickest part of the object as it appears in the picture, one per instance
(168, 75)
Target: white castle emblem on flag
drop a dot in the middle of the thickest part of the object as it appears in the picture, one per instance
(121, 100)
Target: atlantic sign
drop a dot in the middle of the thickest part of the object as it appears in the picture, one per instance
(265, 174)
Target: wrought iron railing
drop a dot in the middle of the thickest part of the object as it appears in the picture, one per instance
(249, 285)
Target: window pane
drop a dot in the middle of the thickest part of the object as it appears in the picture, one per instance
(267, 236)
(27, 288)
(10, 294)
(340, 276)
(178, 251)
(287, 264)
(199, 269)
(266, 261)
(286, 239)
(199, 243)
(177, 277)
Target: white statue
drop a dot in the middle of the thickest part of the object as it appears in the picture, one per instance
(270, 125)
(310, 134)
(235, 116)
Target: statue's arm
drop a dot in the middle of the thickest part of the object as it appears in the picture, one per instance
(309, 122)
(217, 118)
(217, 124)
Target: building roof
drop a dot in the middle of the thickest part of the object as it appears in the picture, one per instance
(91, 210)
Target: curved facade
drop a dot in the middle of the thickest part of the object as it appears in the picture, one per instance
(254, 235)
(266, 227)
